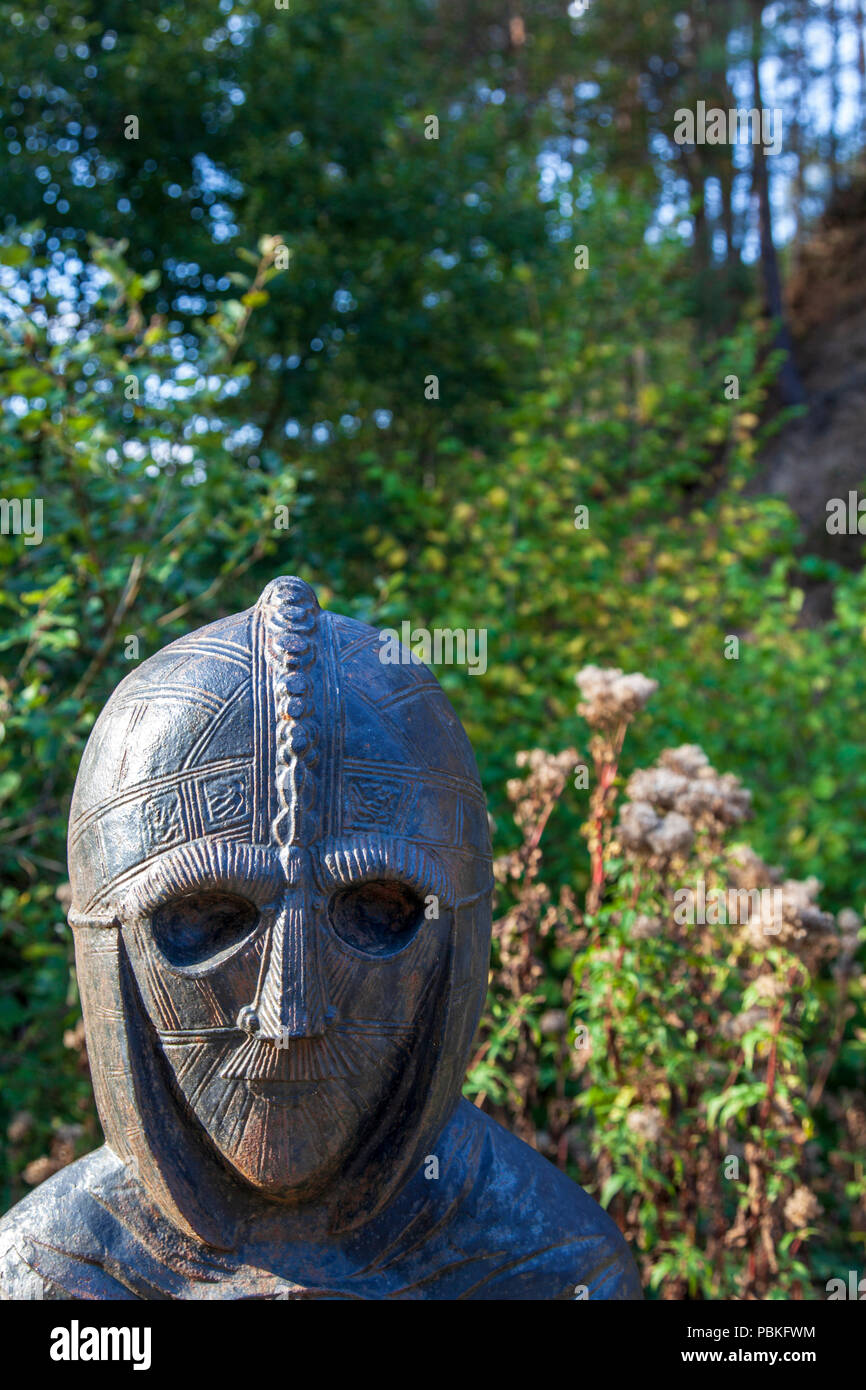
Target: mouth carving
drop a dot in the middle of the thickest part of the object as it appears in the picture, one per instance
(344, 1051)
(283, 1092)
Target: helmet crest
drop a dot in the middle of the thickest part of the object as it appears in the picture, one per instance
(289, 613)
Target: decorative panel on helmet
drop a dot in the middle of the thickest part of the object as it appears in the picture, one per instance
(371, 802)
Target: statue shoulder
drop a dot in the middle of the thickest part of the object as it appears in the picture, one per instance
(53, 1225)
(560, 1238)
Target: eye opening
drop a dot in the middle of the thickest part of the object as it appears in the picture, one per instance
(201, 925)
(378, 917)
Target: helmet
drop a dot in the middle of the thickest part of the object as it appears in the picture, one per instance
(281, 882)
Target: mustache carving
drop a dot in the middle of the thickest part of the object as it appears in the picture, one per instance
(345, 1050)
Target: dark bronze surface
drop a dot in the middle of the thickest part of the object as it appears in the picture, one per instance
(281, 876)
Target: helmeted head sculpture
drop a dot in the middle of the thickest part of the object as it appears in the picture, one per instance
(281, 891)
(280, 863)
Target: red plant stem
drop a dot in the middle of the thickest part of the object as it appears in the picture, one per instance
(533, 843)
(771, 1064)
(771, 1067)
(606, 773)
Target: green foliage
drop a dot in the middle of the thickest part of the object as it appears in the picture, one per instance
(148, 532)
(166, 389)
(311, 125)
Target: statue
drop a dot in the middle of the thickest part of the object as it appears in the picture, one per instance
(281, 887)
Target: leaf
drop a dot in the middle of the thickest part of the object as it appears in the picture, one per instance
(14, 255)
(611, 1187)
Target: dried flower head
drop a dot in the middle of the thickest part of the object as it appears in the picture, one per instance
(802, 1208)
(19, 1127)
(646, 1121)
(684, 782)
(849, 923)
(643, 832)
(672, 837)
(610, 697)
(746, 869)
(548, 774)
(736, 1026)
(800, 925)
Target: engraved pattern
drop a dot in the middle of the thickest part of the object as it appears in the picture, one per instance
(225, 800)
(372, 803)
(162, 817)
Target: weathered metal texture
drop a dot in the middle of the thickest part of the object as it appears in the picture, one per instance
(281, 878)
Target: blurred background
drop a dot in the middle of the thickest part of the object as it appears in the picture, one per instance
(383, 295)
